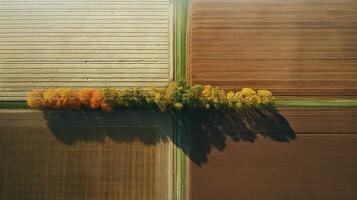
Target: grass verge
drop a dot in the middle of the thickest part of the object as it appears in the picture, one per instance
(320, 103)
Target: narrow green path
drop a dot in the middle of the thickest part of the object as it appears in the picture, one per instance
(318, 103)
(13, 105)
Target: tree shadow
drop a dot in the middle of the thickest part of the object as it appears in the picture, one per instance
(202, 129)
(210, 129)
(74, 126)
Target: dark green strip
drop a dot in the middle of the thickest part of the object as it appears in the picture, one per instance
(181, 17)
(336, 103)
(181, 12)
(324, 103)
(13, 105)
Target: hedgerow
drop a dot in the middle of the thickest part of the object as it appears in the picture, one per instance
(177, 96)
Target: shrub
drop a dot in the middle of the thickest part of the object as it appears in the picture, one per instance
(85, 96)
(35, 98)
(265, 97)
(54, 98)
(67, 98)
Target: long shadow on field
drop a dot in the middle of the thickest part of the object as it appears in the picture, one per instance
(211, 129)
(197, 132)
(74, 126)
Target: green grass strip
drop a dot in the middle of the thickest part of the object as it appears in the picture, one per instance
(181, 16)
(13, 105)
(317, 103)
